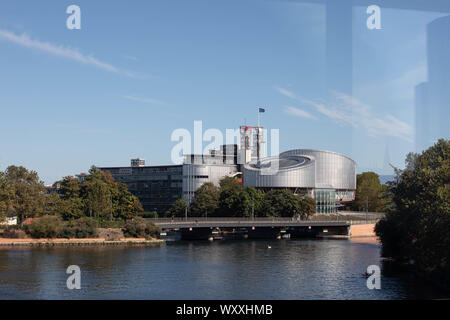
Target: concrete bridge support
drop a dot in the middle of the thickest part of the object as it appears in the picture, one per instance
(264, 232)
(196, 233)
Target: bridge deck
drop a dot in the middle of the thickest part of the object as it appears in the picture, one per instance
(244, 223)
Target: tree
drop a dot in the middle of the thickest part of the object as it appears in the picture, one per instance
(307, 206)
(140, 228)
(4, 199)
(24, 192)
(230, 197)
(69, 187)
(206, 200)
(178, 209)
(280, 203)
(252, 202)
(229, 182)
(416, 229)
(369, 192)
(125, 205)
(97, 196)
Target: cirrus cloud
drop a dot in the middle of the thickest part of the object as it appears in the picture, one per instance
(347, 110)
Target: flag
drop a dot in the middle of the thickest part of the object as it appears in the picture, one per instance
(262, 110)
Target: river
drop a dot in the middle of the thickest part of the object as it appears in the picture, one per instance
(246, 269)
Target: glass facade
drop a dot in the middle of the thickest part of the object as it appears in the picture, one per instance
(325, 200)
(157, 187)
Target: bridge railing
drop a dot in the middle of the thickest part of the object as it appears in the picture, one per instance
(201, 220)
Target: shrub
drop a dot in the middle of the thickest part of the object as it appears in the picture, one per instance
(140, 228)
(13, 232)
(111, 224)
(80, 228)
(45, 227)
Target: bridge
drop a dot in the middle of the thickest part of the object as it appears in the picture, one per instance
(276, 227)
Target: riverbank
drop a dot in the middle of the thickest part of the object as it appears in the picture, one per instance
(77, 242)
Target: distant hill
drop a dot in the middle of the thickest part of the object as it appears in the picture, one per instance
(384, 179)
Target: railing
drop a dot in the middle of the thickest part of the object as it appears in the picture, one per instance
(238, 220)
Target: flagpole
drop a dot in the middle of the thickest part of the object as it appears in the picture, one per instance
(258, 117)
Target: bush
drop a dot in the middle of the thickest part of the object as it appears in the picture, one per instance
(45, 227)
(80, 228)
(111, 224)
(140, 228)
(13, 232)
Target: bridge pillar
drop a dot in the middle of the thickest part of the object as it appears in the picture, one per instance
(196, 233)
(263, 232)
(304, 232)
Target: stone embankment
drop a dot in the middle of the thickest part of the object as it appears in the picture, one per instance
(87, 241)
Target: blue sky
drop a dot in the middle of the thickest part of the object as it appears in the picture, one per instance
(136, 71)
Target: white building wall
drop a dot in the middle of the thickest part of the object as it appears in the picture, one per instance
(195, 175)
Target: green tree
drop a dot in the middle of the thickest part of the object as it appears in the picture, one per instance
(252, 200)
(178, 209)
(24, 193)
(307, 206)
(97, 198)
(417, 227)
(369, 191)
(69, 187)
(4, 198)
(125, 205)
(229, 182)
(280, 203)
(230, 198)
(206, 200)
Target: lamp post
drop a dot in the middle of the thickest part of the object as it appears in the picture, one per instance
(367, 207)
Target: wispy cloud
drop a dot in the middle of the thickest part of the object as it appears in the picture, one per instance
(143, 100)
(299, 113)
(347, 110)
(61, 51)
(131, 58)
(286, 92)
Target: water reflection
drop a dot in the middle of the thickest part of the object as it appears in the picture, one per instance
(304, 269)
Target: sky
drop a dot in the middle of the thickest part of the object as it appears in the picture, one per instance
(137, 70)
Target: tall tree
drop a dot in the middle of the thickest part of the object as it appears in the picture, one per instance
(178, 209)
(230, 197)
(125, 205)
(206, 200)
(25, 192)
(306, 207)
(369, 192)
(417, 227)
(280, 203)
(4, 198)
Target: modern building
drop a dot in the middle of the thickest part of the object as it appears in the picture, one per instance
(157, 187)
(202, 168)
(327, 177)
(138, 162)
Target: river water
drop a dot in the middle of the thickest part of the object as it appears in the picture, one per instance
(265, 269)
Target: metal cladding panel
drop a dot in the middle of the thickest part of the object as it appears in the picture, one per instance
(302, 177)
(195, 175)
(333, 170)
(324, 170)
